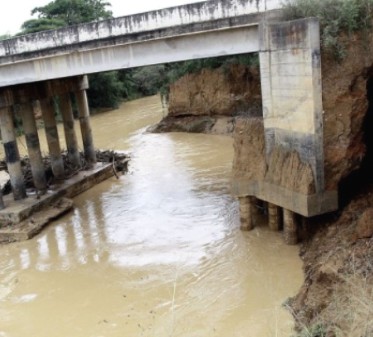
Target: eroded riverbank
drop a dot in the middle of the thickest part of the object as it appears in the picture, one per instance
(156, 253)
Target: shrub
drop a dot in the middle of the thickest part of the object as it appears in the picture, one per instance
(336, 17)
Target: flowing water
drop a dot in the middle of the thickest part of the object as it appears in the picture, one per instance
(156, 253)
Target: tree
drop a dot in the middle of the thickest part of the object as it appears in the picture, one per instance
(5, 36)
(62, 13)
(38, 25)
(73, 12)
(105, 90)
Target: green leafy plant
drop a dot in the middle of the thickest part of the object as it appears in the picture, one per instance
(337, 18)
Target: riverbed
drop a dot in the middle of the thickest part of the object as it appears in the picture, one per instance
(157, 252)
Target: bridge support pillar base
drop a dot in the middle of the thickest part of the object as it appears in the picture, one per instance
(12, 154)
(290, 227)
(33, 147)
(274, 217)
(70, 136)
(51, 133)
(85, 125)
(248, 213)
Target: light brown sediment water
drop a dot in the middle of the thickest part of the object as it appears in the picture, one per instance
(156, 253)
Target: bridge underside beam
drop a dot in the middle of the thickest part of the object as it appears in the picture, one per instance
(185, 47)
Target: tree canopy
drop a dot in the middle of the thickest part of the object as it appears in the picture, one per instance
(61, 13)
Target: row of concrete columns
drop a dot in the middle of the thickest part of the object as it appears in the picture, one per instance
(25, 97)
(278, 218)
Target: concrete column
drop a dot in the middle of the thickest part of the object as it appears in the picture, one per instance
(2, 205)
(33, 147)
(247, 213)
(85, 126)
(68, 125)
(12, 154)
(274, 217)
(290, 227)
(51, 133)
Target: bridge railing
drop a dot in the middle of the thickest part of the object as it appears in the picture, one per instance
(207, 11)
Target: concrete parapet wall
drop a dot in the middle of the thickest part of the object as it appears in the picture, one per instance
(206, 29)
(135, 24)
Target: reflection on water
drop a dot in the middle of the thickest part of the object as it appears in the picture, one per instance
(156, 253)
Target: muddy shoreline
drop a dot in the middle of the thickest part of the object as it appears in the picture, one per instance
(337, 295)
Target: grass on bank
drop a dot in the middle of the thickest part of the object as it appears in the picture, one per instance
(337, 18)
(349, 312)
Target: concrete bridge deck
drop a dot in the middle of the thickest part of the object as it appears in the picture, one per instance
(48, 64)
(205, 29)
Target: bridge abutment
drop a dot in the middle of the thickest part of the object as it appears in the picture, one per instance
(293, 154)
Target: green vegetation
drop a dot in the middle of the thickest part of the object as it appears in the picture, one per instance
(105, 90)
(5, 36)
(61, 13)
(337, 18)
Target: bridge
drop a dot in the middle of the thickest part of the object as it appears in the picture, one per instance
(40, 66)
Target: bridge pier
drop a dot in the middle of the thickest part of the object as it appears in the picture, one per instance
(68, 125)
(84, 119)
(290, 227)
(51, 132)
(274, 217)
(10, 147)
(248, 212)
(33, 147)
(23, 97)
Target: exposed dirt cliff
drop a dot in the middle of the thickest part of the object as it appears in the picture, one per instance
(209, 101)
(337, 296)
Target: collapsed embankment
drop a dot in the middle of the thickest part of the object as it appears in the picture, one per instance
(337, 295)
(210, 101)
(337, 249)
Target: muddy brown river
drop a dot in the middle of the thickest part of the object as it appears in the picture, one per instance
(157, 253)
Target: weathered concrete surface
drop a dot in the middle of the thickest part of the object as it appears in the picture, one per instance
(131, 26)
(155, 51)
(206, 29)
(293, 164)
(248, 213)
(290, 65)
(32, 226)
(17, 211)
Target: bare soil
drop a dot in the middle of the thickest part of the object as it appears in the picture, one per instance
(337, 295)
